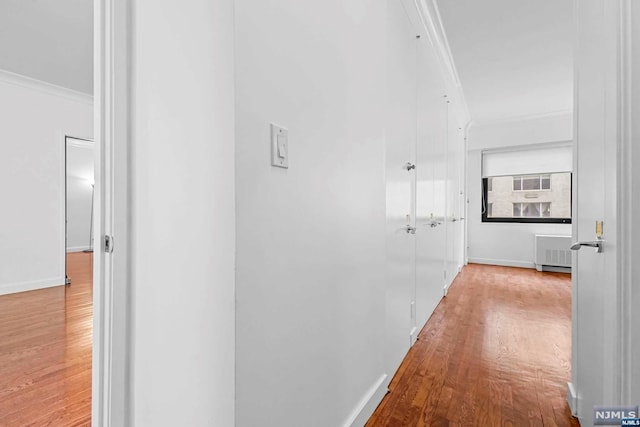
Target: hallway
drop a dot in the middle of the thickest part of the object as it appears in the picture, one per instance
(495, 352)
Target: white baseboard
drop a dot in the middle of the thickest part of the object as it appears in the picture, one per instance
(413, 335)
(554, 269)
(572, 399)
(368, 403)
(12, 288)
(78, 248)
(502, 262)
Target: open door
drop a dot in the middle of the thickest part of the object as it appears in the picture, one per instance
(598, 372)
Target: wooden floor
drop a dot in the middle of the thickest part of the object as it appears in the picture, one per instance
(45, 352)
(496, 352)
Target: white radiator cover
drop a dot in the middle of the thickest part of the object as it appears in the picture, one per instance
(552, 251)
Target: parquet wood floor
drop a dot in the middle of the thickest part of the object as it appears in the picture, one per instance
(496, 352)
(45, 352)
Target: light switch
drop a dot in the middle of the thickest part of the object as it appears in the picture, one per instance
(279, 146)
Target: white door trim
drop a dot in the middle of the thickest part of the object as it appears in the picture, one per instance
(111, 350)
(625, 200)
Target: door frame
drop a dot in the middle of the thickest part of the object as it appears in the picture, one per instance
(111, 274)
(625, 199)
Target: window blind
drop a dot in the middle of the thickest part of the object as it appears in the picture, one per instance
(547, 159)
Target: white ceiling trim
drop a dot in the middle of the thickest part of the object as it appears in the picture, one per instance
(522, 118)
(41, 86)
(432, 23)
(522, 130)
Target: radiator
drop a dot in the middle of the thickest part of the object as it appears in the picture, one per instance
(552, 252)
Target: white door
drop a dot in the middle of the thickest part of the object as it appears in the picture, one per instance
(430, 175)
(595, 307)
(400, 181)
(453, 217)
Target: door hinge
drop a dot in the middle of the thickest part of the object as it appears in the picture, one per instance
(108, 244)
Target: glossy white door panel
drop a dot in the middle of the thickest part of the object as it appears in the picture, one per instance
(401, 134)
(595, 361)
(453, 222)
(430, 173)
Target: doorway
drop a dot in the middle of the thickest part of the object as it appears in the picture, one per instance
(79, 196)
(46, 99)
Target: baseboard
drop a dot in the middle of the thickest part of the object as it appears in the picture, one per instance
(554, 269)
(413, 335)
(12, 288)
(572, 399)
(78, 248)
(502, 262)
(368, 403)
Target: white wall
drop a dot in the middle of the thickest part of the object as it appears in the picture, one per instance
(510, 244)
(311, 243)
(311, 254)
(553, 127)
(183, 226)
(35, 118)
(78, 214)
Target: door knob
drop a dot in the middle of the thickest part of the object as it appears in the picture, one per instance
(410, 230)
(409, 166)
(598, 244)
(433, 223)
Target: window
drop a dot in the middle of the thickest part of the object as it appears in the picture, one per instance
(527, 198)
(530, 210)
(531, 182)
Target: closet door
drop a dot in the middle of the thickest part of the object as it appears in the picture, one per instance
(431, 124)
(400, 186)
(454, 209)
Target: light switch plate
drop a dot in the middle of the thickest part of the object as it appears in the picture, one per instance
(279, 146)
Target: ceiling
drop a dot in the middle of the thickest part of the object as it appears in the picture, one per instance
(513, 57)
(49, 40)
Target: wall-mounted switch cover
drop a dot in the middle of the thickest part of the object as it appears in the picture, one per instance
(279, 146)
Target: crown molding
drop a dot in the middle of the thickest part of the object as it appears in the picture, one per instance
(527, 147)
(431, 22)
(44, 87)
(521, 118)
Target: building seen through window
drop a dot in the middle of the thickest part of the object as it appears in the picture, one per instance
(527, 198)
